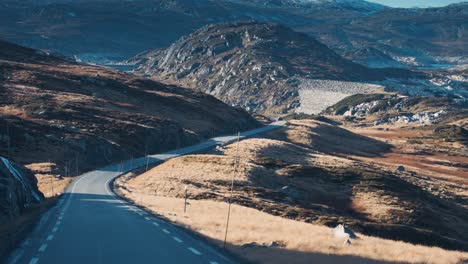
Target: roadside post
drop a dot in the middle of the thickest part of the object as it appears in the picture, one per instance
(147, 162)
(185, 200)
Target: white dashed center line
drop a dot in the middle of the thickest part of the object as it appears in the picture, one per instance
(166, 231)
(55, 229)
(33, 261)
(50, 237)
(156, 224)
(194, 251)
(213, 262)
(43, 248)
(177, 239)
(147, 218)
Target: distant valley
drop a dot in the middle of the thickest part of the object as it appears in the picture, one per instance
(109, 31)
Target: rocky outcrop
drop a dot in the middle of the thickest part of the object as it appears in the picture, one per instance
(393, 109)
(258, 66)
(18, 190)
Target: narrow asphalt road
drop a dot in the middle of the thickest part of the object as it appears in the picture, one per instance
(90, 224)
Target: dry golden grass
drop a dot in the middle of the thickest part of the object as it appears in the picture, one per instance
(47, 182)
(251, 149)
(378, 208)
(328, 138)
(322, 179)
(440, 161)
(175, 174)
(303, 242)
(195, 168)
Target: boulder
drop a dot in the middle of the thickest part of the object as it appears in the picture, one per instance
(18, 190)
(342, 233)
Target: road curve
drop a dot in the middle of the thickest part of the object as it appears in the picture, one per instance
(90, 224)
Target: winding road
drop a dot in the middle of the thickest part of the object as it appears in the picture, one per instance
(90, 224)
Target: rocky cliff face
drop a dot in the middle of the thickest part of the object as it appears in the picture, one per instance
(254, 65)
(81, 117)
(18, 190)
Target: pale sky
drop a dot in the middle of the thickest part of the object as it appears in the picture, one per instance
(414, 3)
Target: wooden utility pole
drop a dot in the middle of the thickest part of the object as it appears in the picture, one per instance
(51, 180)
(76, 165)
(8, 138)
(185, 199)
(236, 164)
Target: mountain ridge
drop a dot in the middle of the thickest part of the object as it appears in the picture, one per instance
(59, 27)
(255, 65)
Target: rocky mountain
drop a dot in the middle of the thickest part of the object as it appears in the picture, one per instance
(130, 27)
(18, 190)
(80, 117)
(419, 37)
(258, 66)
(106, 30)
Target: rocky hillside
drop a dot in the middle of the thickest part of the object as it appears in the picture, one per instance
(394, 109)
(78, 27)
(319, 173)
(434, 37)
(365, 32)
(257, 66)
(80, 117)
(18, 190)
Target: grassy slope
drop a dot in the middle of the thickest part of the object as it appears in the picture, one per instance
(324, 187)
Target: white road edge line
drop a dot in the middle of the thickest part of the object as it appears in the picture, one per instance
(17, 256)
(62, 201)
(71, 192)
(177, 239)
(166, 231)
(194, 251)
(33, 261)
(43, 248)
